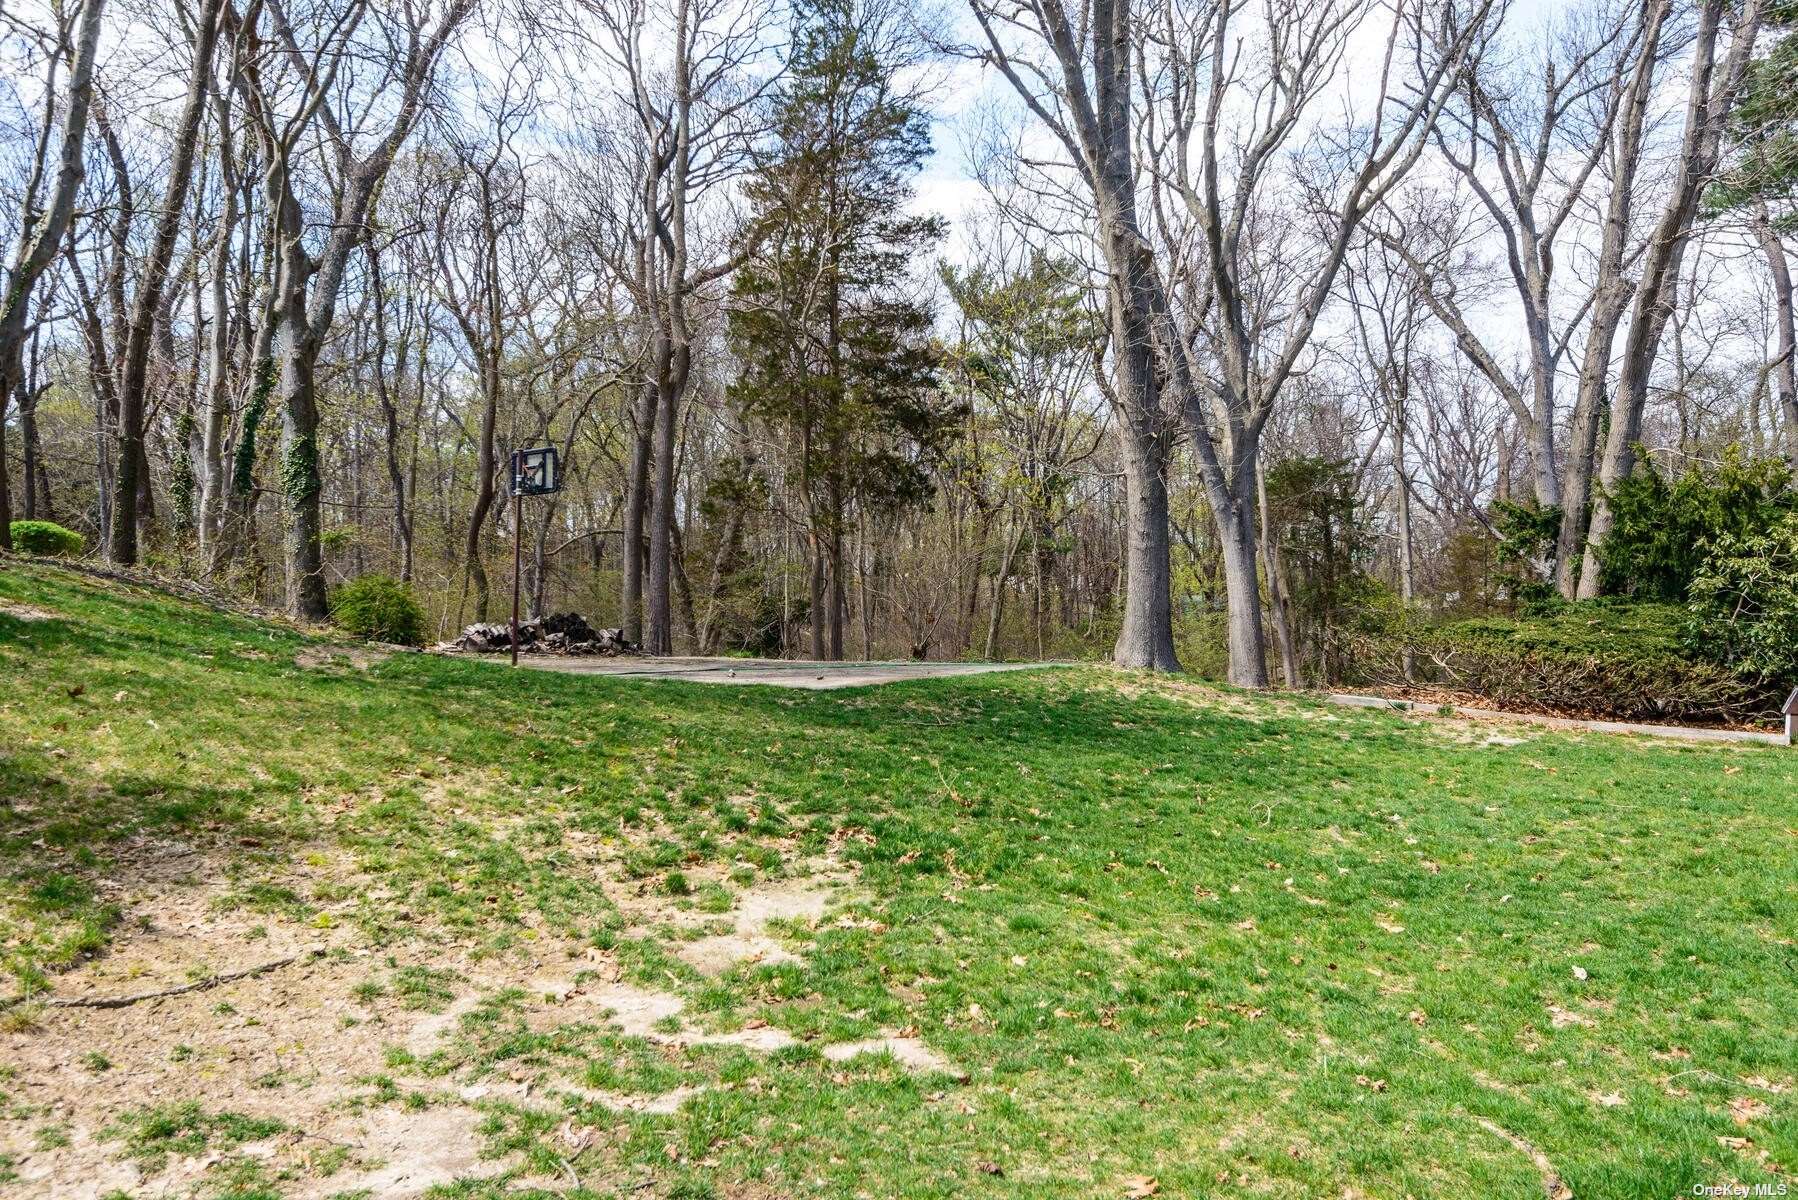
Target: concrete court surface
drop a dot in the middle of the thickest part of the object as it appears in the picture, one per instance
(818, 676)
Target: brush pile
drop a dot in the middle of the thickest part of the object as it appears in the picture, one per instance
(558, 633)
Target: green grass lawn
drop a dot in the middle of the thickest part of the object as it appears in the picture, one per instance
(1235, 946)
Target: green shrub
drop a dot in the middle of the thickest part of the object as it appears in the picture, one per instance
(1605, 659)
(1745, 604)
(1665, 527)
(1523, 556)
(380, 609)
(46, 537)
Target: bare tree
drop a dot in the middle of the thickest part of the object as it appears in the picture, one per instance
(691, 87)
(208, 441)
(122, 545)
(1527, 136)
(48, 206)
(1076, 72)
(1784, 369)
(294, 88)
(1714, 86)
(483, 280)
(1234, 133)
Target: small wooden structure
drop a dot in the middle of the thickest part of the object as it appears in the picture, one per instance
(1792, 718)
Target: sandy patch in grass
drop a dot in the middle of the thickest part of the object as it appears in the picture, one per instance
(909, 1052)
(361, 657)
(800, 901)
(28, 612)
(417, 1151)
(290, 1046)
(303, 1044)
(756, 911)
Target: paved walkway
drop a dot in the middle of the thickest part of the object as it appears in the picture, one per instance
(818, 676)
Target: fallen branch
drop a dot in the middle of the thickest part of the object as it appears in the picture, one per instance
(211, 981)
(1552, 1185)
(573, 1178)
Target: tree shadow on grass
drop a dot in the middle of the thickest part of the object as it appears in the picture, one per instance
(68, 847)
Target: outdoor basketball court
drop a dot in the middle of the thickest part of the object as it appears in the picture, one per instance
(772, 671)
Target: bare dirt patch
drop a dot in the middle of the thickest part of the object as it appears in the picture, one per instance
(27, 612)
(751, 931)
(290, 1046)
(909, 1052)
(416, 1151)
(361, 657)
(305, 1043)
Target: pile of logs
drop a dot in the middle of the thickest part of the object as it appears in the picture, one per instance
(558, 633)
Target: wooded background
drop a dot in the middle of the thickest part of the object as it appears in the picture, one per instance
(1253, 323)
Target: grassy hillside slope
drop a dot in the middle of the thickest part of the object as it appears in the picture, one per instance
(1159, 939)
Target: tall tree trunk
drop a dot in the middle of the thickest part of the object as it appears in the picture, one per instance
(1713, 88)
(34, 478)
(1407, 546)
(296, 356)
(1000, 577)
(214, 435)
(630, 600)
(1235, 520)
(43, 228)
(1582, 448)
(1276, 595)
(817, 616)
(683, 589)
(235, 522)
(1043, 534)
(390, 417)
(122, 545)
(1146, 636)
(659, 627)
(486, 467)
(1785, 370)
(970, 610)
(1610, 298)
(867, 567)
(839, 596)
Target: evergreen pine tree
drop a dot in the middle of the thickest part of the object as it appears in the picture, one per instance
(836, 349)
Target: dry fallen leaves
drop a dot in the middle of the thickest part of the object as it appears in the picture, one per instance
(1136, 1187)
(1748, 1108)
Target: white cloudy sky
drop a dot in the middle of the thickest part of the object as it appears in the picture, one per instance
(967, 90)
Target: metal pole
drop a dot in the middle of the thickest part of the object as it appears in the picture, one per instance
(517, 555)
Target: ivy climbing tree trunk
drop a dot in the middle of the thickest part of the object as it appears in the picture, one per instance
(293, 97)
